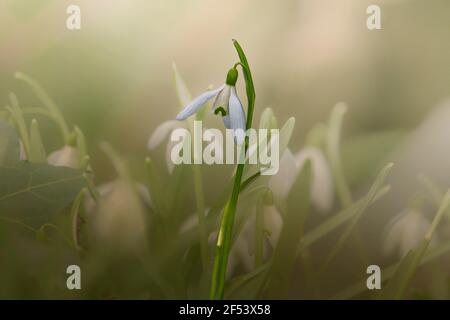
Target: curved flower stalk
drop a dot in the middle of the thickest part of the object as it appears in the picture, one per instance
(226, 102)
(405, 232)
(322, 192)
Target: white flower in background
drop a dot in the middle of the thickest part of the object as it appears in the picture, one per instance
(159, 135)
(104, 190)
(322, 193)
(22, 154)
(119, 217)
(67, 156)
(226, 103)
(405, 232)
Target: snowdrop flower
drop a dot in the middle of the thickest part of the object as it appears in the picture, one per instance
(104, 190)
(119, 219)
(22, 154)
(226, 103)
(161, 133)
(67, 156)
(405, 232)
(322, 193)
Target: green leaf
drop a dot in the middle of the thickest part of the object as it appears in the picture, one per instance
(268, 120)
(334, 156)
(33, 193)
(293, 223)
(184, 96)
(285, 135)
(351, 227)
(337, 220)
(9, 145)
(248, 286)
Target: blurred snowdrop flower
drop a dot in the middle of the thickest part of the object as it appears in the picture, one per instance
(22, 154)
(226, 102)
(67, 156)
(405, 232)
(120, 216)
(322, 193)
(161, 133)
(104, 191)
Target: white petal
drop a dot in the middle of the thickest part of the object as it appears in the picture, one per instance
(237, 116)
(161, 132)
(23, 154)
(170, 164)
(226, 121)
(322, 191)
(65, 157)
(273, 223)
(195, 104)
(282, 182)
(222, 99)
(405, 232)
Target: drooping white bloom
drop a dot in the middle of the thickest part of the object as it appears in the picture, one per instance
(226, 103)
(322, 193)
(67, 156)
(405, 232)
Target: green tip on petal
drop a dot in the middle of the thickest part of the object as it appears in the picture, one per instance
(220, 110)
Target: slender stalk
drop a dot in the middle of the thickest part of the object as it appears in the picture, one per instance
(224, 237)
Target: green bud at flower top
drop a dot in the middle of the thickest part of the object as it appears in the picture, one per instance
(232, 77)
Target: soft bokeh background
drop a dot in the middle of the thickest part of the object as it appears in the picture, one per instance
(113, 78)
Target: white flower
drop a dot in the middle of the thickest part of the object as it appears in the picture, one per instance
(159, 135)
(405, 232)
(226, 102)
(119, 218)
(322, 193)
(105, 190)
(67, 156)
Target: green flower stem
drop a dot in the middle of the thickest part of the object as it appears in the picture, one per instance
(226, 228)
